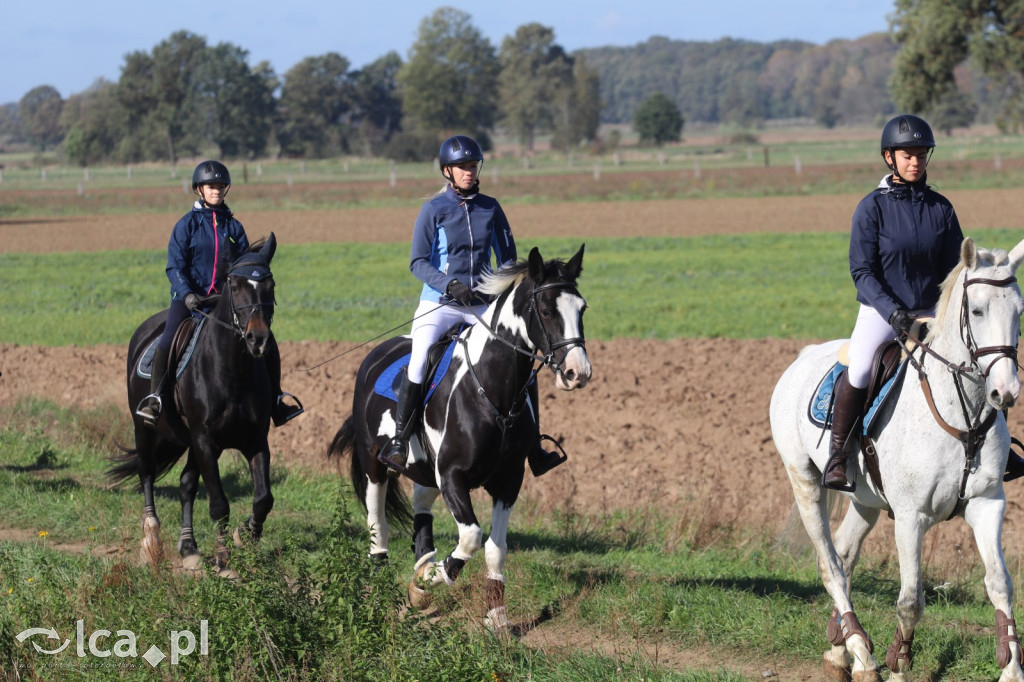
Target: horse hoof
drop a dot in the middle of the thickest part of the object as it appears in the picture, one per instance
(227, 574)
(867, 676)
(192, 562)
(497, 622)
(834, 672)
(419, 598)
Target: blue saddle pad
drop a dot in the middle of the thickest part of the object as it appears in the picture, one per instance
(145, 366)
(385, 384)
(821, 399)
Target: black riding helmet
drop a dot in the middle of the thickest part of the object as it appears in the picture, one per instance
(459, 149)
(904, 131)
(209, 172)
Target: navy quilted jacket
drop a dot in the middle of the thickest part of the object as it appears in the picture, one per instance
(904, 241)
(197, 249)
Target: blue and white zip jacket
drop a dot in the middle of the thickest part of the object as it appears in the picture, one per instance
(202, 241)
(453, 238)
(905, 239)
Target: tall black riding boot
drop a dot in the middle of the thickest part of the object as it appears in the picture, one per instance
(280, 412)
(541, 461)
(846, 412)
(152, 403)
(396, 454)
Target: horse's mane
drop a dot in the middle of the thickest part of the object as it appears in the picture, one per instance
(942, 307)
(984, 258)
(495, 283)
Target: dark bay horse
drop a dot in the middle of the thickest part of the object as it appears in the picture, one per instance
(477, 426)
(222, 399)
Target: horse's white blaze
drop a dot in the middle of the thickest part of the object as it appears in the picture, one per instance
(921, 464)
(576, 369)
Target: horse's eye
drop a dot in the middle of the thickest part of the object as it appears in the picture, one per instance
(976, 312)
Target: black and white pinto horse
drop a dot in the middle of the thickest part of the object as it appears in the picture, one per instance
(477, 426)
(941, 452)
(221, 400)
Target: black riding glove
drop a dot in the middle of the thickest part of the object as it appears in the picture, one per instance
(191, 301)
(460, 293)
(901, 322)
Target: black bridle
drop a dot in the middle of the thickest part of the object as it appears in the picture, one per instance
(546, 359)
(259, 272)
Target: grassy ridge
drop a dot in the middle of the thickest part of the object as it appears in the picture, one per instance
(733, 286)
(309, 606)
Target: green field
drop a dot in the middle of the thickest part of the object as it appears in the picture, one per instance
(727, 601)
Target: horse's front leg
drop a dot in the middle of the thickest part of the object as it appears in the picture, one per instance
(206, 456)
(985, 516)
(849, 537)
(188, 487)
(495, 552)
(910, 530)
(262, 498)
(471, 535)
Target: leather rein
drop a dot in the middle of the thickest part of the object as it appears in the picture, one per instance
(974, 436)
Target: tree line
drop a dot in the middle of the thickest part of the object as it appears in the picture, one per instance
(955, 62)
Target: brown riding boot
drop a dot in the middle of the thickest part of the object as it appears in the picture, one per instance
(847, 405)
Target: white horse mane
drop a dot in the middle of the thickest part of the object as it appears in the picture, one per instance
(495, 283)
(984, 258)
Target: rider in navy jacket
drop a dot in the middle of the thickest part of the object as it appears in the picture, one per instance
(453, 238)
(204, 238)
(904, 240)
(202, 243)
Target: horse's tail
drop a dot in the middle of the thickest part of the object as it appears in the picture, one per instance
(397, 508)
(126, 465)
(794, 538)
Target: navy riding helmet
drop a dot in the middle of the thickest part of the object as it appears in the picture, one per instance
(459, 149)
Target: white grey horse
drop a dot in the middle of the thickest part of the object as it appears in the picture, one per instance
(934, 464)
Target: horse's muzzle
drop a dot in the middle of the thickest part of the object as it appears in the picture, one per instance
(576, 370)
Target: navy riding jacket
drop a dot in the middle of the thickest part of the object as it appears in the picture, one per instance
(201, 242)
(905, 239)
(453, 239)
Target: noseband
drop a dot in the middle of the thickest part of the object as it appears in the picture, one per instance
(967, 336)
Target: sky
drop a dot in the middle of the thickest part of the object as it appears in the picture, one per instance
(68, 44)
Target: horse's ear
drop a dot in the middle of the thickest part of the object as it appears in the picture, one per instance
(575, 265)
(1017, 256)
(536, 266)
(969, 253)
(269, 247)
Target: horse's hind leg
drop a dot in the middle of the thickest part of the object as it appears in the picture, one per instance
(845, 633)
(985, 517)
(189, 485)
(849, 537)
(423, 499)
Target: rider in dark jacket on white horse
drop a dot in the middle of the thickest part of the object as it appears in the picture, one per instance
(905, 239)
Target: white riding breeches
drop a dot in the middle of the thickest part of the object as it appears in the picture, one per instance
(433, 320)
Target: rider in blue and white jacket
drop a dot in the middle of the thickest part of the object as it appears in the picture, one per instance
(453, 240)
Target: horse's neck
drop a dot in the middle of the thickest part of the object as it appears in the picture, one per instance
(949, 344)
(223, 341)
